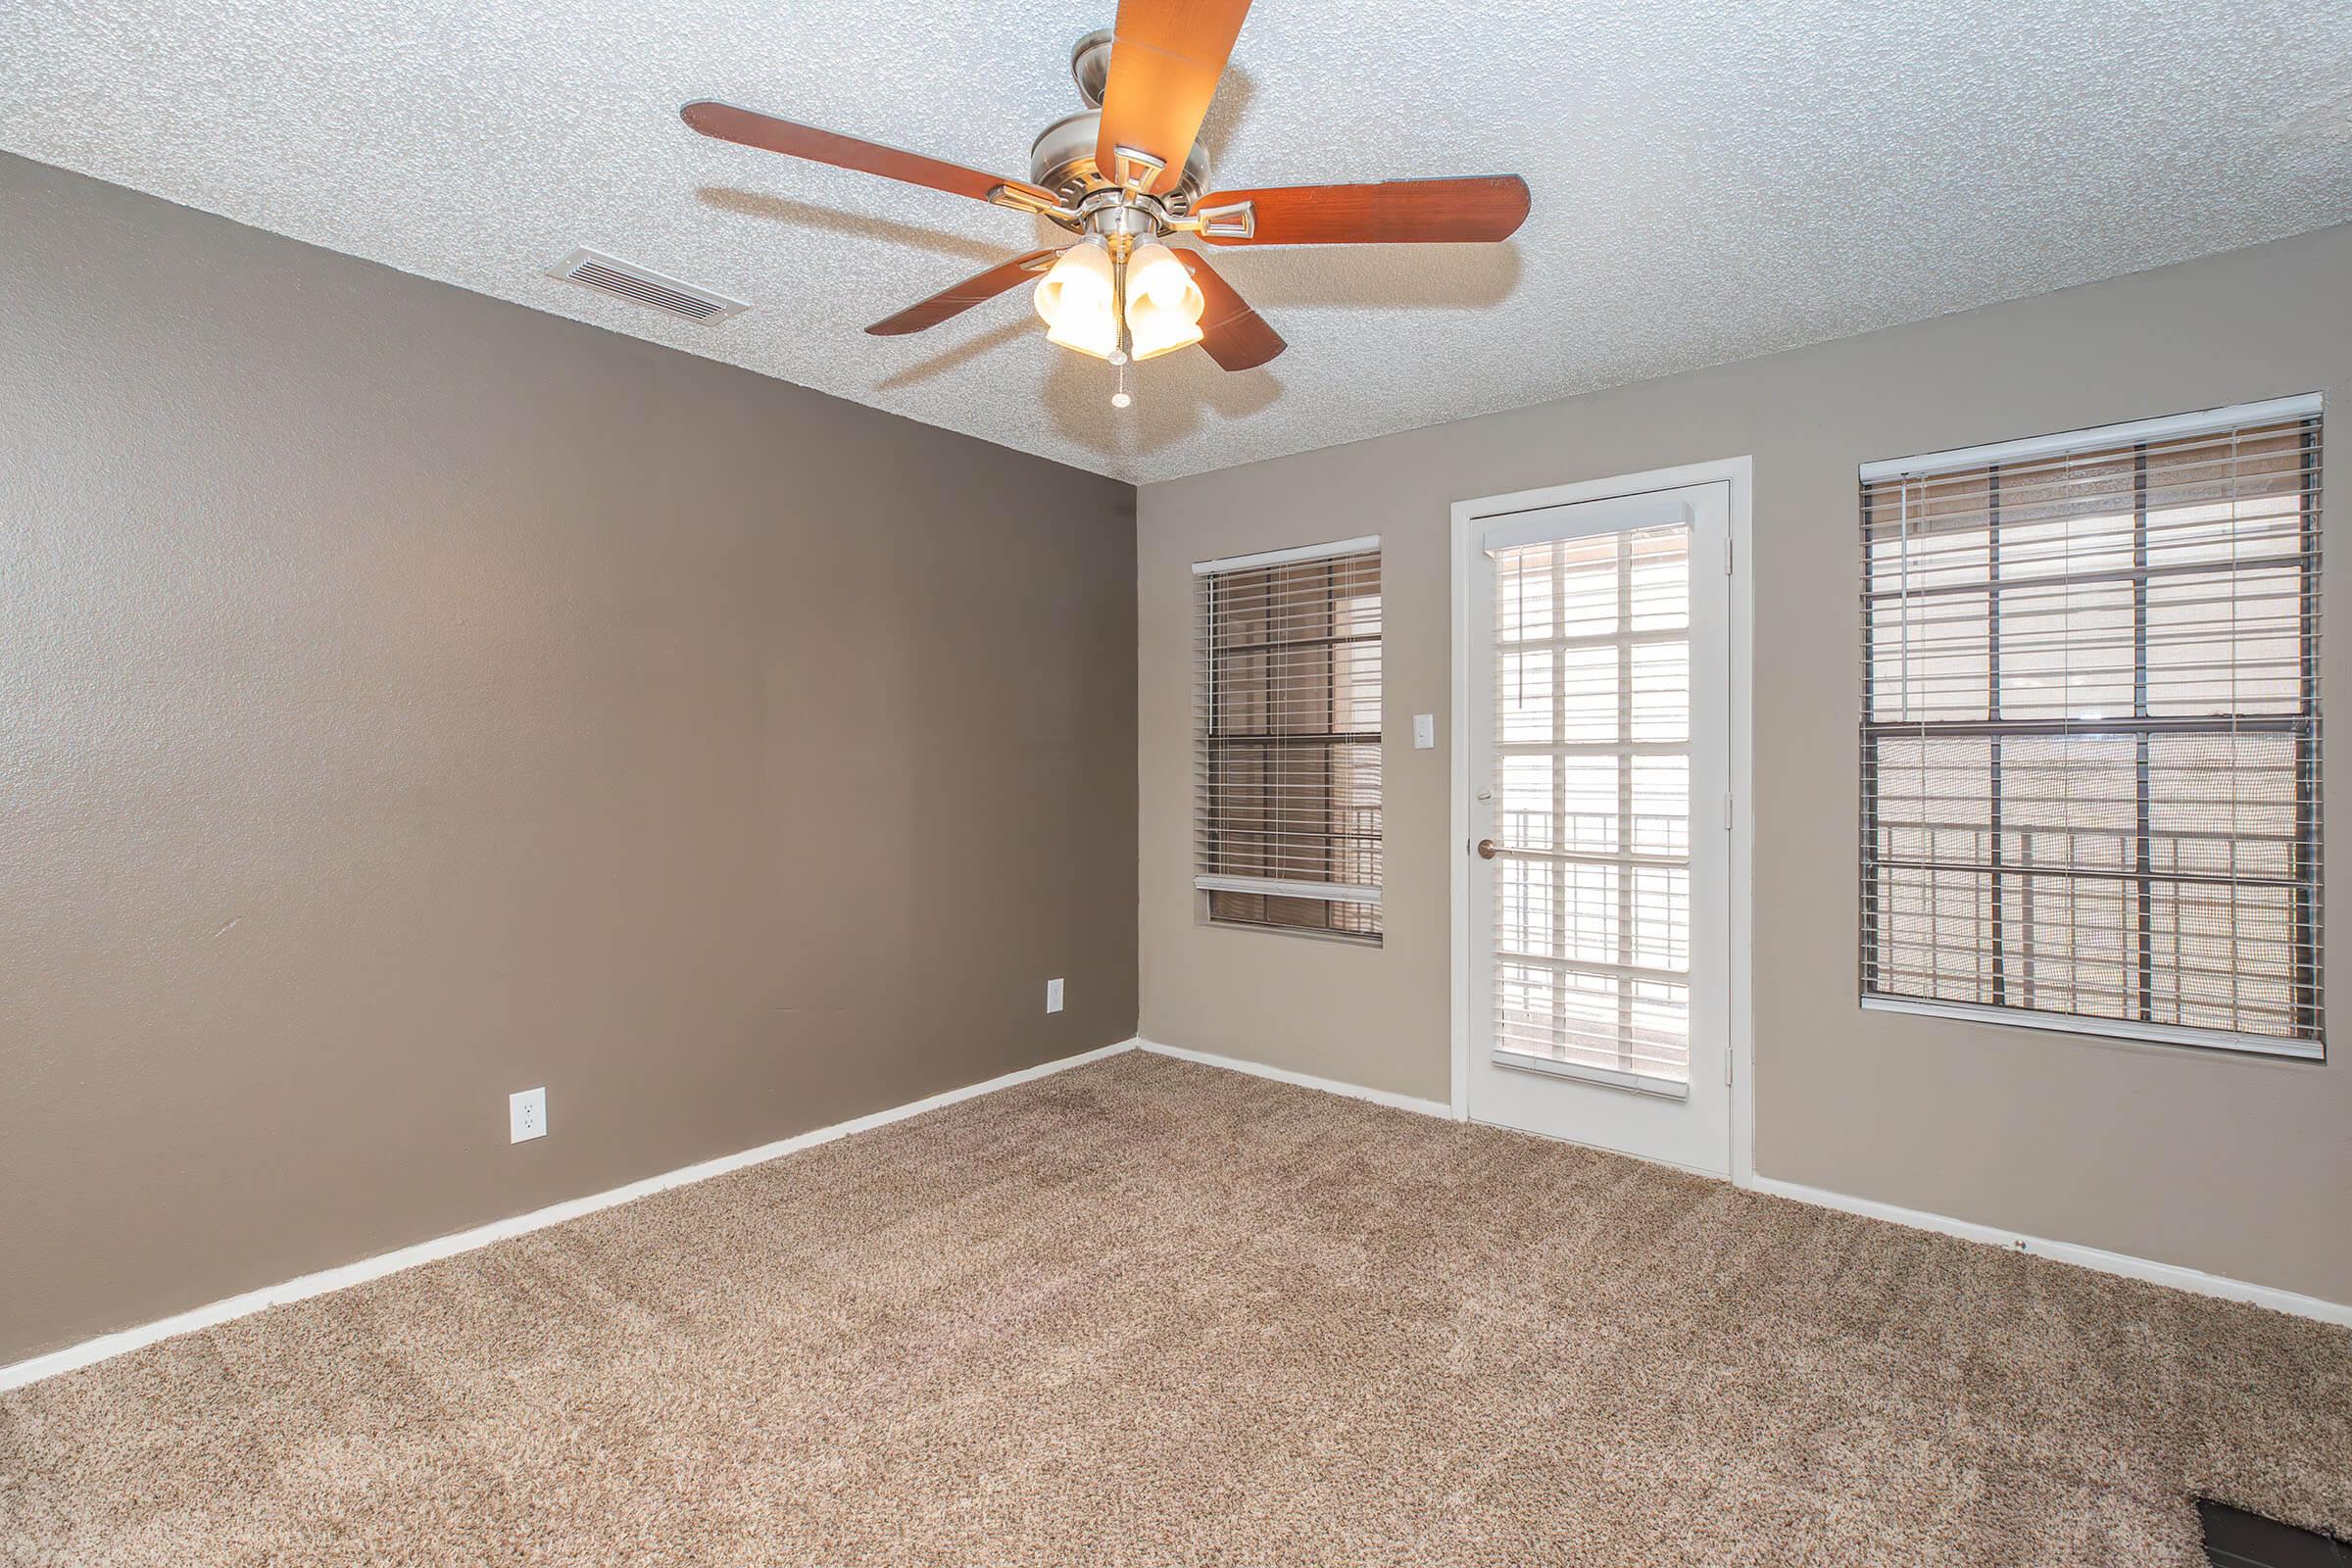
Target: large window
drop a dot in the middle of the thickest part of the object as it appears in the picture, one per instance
(2091, 737)
(1286, 739)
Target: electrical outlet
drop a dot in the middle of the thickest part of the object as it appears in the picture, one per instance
(526, 1115)
(1052, 995)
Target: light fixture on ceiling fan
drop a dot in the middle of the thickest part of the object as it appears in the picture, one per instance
(1087, 292)
(1126, 174)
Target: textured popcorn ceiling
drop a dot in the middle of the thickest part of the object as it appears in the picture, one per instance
(1712, 178)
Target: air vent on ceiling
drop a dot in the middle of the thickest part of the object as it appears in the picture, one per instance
(627, 280)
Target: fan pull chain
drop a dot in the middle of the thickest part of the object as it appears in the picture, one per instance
(1120, 354)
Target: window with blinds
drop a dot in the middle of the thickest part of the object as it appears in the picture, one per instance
(2091, 737)
(1286, 739)
(1591, 782)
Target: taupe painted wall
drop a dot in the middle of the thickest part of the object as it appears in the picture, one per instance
(2236, 1165)
(410, 697)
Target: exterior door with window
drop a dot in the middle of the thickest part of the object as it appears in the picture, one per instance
(1598, 737)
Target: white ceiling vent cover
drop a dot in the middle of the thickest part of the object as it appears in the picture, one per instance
(609, 274)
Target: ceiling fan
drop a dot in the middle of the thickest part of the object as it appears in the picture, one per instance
(1125, 174)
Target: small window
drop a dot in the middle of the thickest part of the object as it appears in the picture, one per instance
(1286, 739)
(2090, 731)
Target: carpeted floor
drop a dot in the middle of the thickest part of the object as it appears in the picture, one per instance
(1146, 1312)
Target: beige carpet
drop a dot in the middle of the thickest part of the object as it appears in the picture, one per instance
(1152, 1313)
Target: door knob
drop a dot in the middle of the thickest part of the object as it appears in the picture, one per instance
(1487, 849)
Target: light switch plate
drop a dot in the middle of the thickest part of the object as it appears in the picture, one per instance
(526, 1115)
(1052, 995)
(1425, 731)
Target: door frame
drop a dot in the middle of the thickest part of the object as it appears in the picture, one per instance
(1469, 667)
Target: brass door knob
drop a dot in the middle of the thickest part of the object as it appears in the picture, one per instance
(1487, 849)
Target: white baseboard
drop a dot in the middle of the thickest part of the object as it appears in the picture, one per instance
(36, 1368)
(1282, 1075)
(2123, 1263)
(106, 1346)
(2106, 1263)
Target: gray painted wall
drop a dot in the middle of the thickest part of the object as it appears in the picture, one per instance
(2231, 1164)
(410, 697)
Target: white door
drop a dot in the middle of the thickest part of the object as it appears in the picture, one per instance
(1598, 735)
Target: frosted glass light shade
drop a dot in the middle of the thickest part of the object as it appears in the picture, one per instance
(1154, 328)
(1088, 334)
(1155, 273)
(1075, 299)
(1163, 302)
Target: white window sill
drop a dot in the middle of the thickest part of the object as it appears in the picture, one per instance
(2162, 1034)
(1639, 1082)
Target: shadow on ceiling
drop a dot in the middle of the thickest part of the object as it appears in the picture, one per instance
(1395, 277)
(969, 349)
(1172, 397)
(831, 220)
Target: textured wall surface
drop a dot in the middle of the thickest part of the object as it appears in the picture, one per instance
(2233, 1164)
(1712, 179)
(406, 697)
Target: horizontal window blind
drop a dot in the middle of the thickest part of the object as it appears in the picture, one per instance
(1592, 804)
(2091, 738)
(1287, 741)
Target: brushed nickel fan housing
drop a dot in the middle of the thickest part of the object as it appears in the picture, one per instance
(1063, 157)
(1090, 66)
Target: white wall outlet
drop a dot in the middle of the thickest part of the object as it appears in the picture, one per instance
(526, 1115)
(1052, 995)
(1425, 731)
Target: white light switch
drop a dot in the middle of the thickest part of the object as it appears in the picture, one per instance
(1425, 731)
(526, 1115)
(1052, 995)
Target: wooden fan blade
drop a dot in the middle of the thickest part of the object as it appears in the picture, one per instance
(1165, 58)
(1236, 336)
(957, 298)
(1398, 212)
(750, 129)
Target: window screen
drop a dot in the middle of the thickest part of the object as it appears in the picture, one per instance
(2091, 737)
(1287, 740)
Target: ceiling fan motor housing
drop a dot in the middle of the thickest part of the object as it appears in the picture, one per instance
(1062, 161)
(1063, 157)
(1090, 66)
